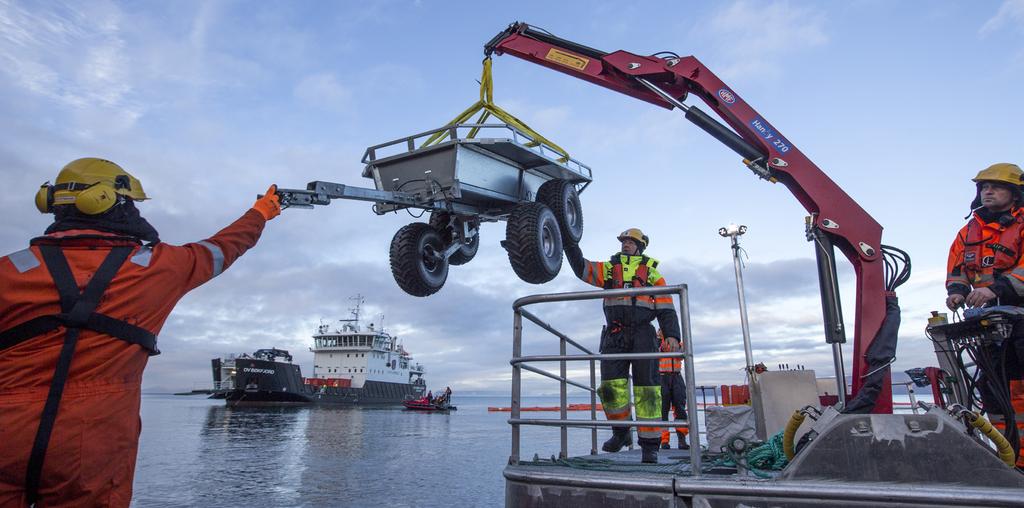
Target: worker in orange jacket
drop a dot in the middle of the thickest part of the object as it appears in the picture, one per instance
(985, 268)
(80, 311)
(673, 392)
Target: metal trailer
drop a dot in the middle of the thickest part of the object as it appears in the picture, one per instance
(848, 460)
(464, 181)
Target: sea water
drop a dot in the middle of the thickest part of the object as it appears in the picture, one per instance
(198, 452)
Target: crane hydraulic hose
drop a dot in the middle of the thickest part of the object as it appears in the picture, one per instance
(1003, 448)
(790, 433)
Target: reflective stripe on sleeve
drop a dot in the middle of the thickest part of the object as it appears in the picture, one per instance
(218, 257)
(24, 260)
(1016, 283)
(983, 280)
(664, 302)
(142, 256)
(1018, 272)
(595, 276)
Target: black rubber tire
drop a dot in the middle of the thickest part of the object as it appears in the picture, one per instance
(414, 272)
(534, 243)
(562, 198)
(466, 253)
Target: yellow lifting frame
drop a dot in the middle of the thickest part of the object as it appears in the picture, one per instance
(488, 108)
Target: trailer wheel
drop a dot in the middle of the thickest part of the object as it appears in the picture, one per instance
(441, 222)
(417, 259)
(562, 199)
(534, 243)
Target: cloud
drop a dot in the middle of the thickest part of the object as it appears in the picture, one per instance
(323, 90)
(784, 28)
(74, 58)
(714, 286)
(1010, 14)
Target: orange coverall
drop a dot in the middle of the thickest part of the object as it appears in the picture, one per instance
(90, 460)
(988, 253)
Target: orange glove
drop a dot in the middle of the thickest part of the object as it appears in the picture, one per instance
(269, 205)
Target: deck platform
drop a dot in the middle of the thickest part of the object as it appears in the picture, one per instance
(860, 461)
(619, 480)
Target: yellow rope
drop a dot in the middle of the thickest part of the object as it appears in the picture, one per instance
(488, 108)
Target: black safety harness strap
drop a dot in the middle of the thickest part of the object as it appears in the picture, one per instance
(76, 313)
(97, 322)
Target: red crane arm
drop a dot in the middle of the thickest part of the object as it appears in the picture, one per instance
(665, 82)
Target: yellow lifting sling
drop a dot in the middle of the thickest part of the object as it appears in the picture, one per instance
(488, 108)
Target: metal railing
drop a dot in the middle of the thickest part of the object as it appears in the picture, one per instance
(911, 394)
(520, 363)
(227, 384)
(468, 131)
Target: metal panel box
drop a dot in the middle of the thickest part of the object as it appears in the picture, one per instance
(778, 394)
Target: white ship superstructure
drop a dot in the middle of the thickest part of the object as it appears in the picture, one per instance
(357, 355)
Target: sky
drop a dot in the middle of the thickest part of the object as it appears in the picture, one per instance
(208, 103)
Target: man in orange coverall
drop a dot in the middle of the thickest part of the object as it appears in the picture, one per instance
(80, 310)
(985, 268)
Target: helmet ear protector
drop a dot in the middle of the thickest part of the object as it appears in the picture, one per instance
(44, 198)
(97, 199)
(91, 199)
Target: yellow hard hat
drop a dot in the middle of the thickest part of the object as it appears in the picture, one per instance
(636, 235)
(92, 185)
(1001, 172)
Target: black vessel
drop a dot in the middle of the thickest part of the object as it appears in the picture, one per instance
(350, 366)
